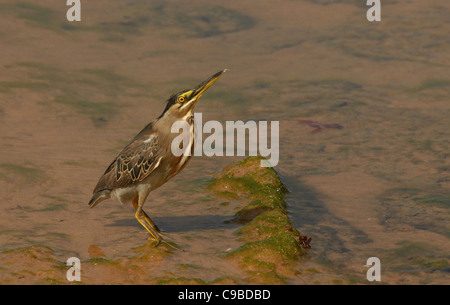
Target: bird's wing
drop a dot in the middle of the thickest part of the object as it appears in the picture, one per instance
(133, 164)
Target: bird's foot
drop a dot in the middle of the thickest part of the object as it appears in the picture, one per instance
(160, 239)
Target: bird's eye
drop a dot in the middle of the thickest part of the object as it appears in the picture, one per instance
(181, 99)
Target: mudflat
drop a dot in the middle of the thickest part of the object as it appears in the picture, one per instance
(72, 94)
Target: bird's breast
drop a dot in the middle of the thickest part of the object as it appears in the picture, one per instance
(172, 163)
(188, 151)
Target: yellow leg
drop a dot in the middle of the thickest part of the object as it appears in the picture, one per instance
(148, 224)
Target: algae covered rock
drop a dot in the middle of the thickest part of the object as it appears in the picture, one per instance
(272, 246)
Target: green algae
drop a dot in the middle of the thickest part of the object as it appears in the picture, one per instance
(196, 281)
(39, 264)
(417, 206)
(181, 281)
(95, 93)
(103, 261)
(411, 258)
(28, 173)
(148, 252)
(272, 246)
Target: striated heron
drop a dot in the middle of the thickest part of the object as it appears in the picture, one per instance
(147, 162)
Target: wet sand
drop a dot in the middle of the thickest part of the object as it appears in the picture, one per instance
(73, 94)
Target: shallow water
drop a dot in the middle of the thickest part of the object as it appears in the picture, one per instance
(72, 95)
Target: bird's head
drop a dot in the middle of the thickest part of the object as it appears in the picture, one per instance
(181, 104)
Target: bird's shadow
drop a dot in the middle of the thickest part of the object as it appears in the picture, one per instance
(172, 224)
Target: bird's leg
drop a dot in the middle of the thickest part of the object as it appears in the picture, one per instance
(145, 221)
(148, 224)
(161, 236)
(140, 216)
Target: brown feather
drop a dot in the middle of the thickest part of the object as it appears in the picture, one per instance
(134, 163)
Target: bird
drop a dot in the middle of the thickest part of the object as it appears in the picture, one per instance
(147, 162)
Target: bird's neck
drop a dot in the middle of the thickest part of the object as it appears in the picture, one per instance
(164, 124)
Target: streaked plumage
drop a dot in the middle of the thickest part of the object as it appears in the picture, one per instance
(147, 161)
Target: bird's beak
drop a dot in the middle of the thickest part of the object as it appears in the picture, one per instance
(198, 92)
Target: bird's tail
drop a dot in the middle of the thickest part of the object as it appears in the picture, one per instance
(99, 197)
